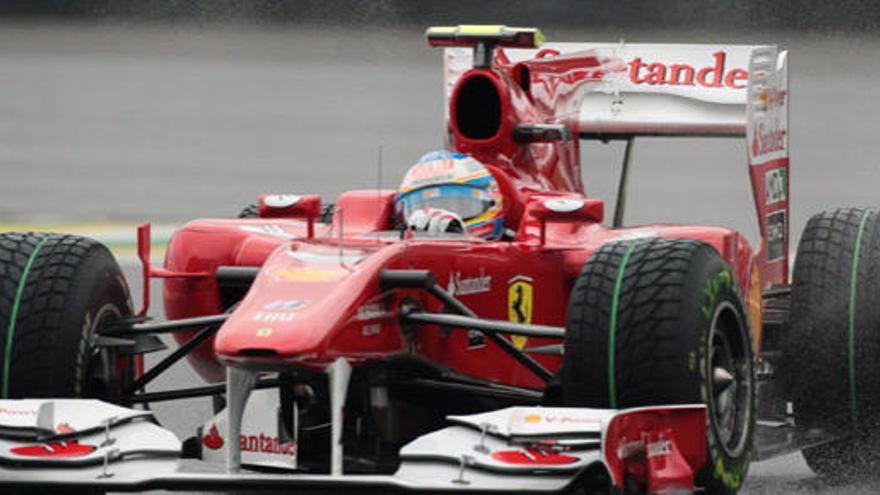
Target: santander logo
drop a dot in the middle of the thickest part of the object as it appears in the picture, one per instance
(767, 139)
(213, 440)
(261, 443)
(651, 72)
(715, 75)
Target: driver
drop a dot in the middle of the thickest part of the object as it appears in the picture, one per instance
(451, 192)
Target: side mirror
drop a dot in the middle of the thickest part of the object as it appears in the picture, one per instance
(290, 206)
(563, 209)
(307, 206)
(566, 209)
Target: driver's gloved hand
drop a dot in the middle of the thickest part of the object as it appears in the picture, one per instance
(435, 220)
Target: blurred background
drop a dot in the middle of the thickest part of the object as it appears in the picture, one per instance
(123, 111)
(118, 112)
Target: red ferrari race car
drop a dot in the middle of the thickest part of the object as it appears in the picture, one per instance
(483, 328)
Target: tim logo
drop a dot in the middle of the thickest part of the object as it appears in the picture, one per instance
(775, 186)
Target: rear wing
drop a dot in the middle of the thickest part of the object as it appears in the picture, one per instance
(652, 89)
(678, 90)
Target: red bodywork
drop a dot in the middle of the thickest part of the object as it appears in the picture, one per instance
(317, 297)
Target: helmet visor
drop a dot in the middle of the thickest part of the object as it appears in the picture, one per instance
(465, 201)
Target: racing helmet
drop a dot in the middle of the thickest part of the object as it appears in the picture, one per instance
(458, 183)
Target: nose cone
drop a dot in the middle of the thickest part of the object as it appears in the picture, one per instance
(303, 298)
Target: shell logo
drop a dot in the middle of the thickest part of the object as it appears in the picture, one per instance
(532, 418)
(264, 332)
(309, 274)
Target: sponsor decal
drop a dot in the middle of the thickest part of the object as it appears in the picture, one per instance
(264, 332)
(659, 448)
(571, 420)
(270, 230)
(281, 200)
(264, 444)
(273, 316)
(290, 304)
(519, 305)
(776, 235)
(775, 186)
(715, 75)
(213, 440)
(17, 412)
(372, 311)
(309, 274)
(349, 257)
(370, 330)
(605, 67)
(771, 98)
(562, 420)
(768, 138)
(463, 286)
(430, 173)
(558, 419)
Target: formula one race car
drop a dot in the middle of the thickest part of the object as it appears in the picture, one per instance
(481, 329)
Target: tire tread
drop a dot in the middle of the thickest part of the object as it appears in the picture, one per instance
(37, 344)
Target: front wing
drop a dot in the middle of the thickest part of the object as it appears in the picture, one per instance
(85, 443)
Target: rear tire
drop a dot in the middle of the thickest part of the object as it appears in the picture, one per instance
(652, 322)
(832, 347)
(56, 293)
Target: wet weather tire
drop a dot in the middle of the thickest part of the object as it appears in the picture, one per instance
(56, 292)
(661, 321)
(832, 347)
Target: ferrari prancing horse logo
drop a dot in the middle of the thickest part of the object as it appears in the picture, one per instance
(519, 305)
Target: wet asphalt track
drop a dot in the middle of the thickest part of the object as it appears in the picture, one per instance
(135, 123)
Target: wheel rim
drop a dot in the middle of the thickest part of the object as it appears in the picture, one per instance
(103, 363)
(730, 380)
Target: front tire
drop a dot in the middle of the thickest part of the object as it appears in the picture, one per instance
(661, 321)
(56, 293)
